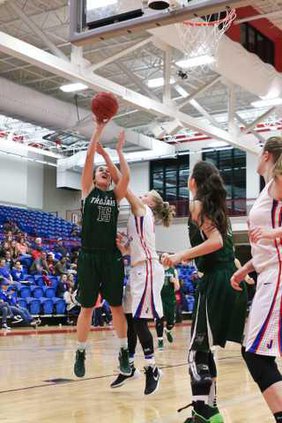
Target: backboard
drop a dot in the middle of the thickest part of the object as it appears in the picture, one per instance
(102, 19)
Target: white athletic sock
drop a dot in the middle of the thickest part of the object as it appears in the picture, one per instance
(123, 343)
(212, 395)
(203, 398)
(160, 339)
(150, 361)
(131, 360)
(81, 346)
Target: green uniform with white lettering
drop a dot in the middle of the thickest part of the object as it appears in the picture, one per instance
(168, 296)
(219, 311)
(100, 264)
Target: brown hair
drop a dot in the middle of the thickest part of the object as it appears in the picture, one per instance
(274, 146)
(162, 210)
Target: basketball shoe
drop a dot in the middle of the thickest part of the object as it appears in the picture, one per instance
(160, 344)
(79, 365)
(212, 414)
(153, 375)
(124, 366)
(169, 335)
(121, 379)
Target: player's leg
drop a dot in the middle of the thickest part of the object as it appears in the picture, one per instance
(132, 342)
(169, 313)
(160, 333)
(265, 373)
(152, 372)
(88, 289)
(112, 274)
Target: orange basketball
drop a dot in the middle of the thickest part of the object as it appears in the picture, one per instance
(104, 106)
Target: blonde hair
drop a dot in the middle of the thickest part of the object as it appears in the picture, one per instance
(162, 210)
(274, 146)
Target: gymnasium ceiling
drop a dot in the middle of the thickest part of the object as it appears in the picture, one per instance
(45, 25)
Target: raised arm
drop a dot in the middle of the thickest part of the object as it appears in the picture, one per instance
(137, 206)
(122, 184)
(87, 173)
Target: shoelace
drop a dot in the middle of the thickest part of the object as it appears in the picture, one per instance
(184, 408)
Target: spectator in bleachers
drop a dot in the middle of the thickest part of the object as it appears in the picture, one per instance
(9, 296)
(13, 250)
(5, 246)
(22, 246)
(17, 272)
(73, 307)
(60, 248)
(70, 280)
(4, 272)
(51, 263)
(62, 285)
(9, 261)
(46, 279)
(61, 267)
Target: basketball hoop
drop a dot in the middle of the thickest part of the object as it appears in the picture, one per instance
(200, 37)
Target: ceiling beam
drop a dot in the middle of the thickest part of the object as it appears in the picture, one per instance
(31, 54)
(36, 30)
(122, 53)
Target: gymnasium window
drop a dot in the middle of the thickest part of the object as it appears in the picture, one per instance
(232, 166)
(169, 178)
(255, 42)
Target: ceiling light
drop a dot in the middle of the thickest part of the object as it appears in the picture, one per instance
(195, 61)
(77, 86)
(96, 4)
(266, 103)
(158, 82)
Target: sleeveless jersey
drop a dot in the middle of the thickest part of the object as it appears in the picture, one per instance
(141, 233)
(266, 213)
(99, 220)
(219, 257)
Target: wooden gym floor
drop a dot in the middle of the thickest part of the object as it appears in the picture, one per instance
(37, 383)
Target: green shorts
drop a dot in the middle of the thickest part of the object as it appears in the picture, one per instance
(100, 272)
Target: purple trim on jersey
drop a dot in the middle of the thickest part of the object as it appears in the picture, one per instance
(140, 306)
(257, 342)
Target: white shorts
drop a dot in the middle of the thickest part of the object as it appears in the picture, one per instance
(127, 299)
(264, 326)
(146, 282)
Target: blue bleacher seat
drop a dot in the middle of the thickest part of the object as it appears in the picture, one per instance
(25, 292)
(38, 280)
(37, 291)
(60, 305)
(49, 292)
(47, 305)
(34, 305)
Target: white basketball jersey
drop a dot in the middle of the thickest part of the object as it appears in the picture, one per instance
(141, 233)
(266, 213)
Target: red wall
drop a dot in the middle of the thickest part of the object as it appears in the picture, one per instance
(265, 27)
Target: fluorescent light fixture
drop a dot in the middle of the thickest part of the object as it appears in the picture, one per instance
(158, 82)
(70, 88)
(267, 103)
(96, 4)
(192, 62)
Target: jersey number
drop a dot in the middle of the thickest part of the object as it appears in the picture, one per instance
(104, 214)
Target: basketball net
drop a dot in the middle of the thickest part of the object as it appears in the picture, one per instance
(200, 37)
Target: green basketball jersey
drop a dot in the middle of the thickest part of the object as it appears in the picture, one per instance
(224, 255)
(99, 220)
(168, 286)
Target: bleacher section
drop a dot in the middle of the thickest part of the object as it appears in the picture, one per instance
(38, 223)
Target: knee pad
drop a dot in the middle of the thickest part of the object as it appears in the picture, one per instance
(263, 369)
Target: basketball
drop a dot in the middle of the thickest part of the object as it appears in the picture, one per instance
(104, 106)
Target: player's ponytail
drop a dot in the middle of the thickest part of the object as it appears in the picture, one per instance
(277, 169)
(162, 210)
(212, 195)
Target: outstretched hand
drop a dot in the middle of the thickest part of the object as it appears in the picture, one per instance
(121, 141)
(100, 149)
(122, 243)
(259, 233)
